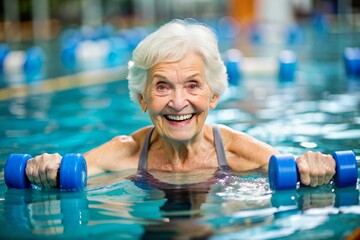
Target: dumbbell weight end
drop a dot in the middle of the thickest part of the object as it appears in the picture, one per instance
(73, 172)
(283, 172)
(14, 171)
(346, 168)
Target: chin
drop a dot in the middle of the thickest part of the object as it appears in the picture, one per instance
(183, 134)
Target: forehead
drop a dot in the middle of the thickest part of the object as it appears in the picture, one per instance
(191, 62)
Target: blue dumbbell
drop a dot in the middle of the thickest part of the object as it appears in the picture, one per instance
(72, 174)
(283, 172)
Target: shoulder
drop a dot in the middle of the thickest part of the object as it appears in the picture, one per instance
(131, 142)
(229, 135)
(244, 152)
(121, 152)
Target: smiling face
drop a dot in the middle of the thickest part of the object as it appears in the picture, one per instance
(178, 98)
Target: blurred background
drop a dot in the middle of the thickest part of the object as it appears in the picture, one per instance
(294, 83)
(293, 66)
(42, 39)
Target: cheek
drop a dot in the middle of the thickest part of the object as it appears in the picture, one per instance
(200, 104)
(203, 100)
(157, 104)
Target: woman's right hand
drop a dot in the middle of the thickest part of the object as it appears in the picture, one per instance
(42, 170)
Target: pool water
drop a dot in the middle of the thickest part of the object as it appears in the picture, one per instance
(233, 207)
(71, 121)
(166, 205)
(320, 111)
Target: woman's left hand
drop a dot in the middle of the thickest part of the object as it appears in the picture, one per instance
(315, 168)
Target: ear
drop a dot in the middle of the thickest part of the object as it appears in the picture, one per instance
(142, 102)
(214, 101)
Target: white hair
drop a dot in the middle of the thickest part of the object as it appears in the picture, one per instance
(170, 43)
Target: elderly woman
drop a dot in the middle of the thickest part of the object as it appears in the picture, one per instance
(177, 76)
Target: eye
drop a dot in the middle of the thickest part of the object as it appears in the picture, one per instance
(162, 87)
(193, 85)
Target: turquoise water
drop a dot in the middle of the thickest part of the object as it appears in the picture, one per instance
(319, 111)
(71, 121)
(294, 118)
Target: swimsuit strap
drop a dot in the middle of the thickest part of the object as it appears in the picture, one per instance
(219, 147)
(144, 151)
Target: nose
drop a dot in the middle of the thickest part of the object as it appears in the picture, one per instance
(179, 100)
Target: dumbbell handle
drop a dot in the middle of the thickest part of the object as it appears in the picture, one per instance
(72, 172)
(283, 172)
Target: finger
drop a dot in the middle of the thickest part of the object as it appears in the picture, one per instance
(42, 174)
(29, 170)
(52, 178)
(304, 170)
(48, 170)
(324, 169)
(321, 178)
(317, 172)
(329, 168)
(52, 171)
(37, 179)
(320, 162)
(35, 170)
(314, 178)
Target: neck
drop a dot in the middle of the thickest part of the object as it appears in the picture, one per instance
(185, 154)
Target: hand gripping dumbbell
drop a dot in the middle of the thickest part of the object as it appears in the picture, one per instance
(284, 175)
(72, 174)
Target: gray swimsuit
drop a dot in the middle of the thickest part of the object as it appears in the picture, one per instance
(219, 147)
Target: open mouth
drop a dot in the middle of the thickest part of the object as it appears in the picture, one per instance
(179, 118)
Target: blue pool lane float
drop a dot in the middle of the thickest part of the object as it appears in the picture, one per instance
(284, 175)
(72, 173)
(352, 61)
(287, 66)
(233, 61)
(30, 61)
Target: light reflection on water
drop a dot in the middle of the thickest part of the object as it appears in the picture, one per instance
(292, 118)
(234, 206)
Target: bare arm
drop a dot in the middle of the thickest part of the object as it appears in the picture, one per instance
(245, 152)
(248, 153)
(122, 152)
(117, 154)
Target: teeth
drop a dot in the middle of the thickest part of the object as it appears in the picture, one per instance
(179, 117)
